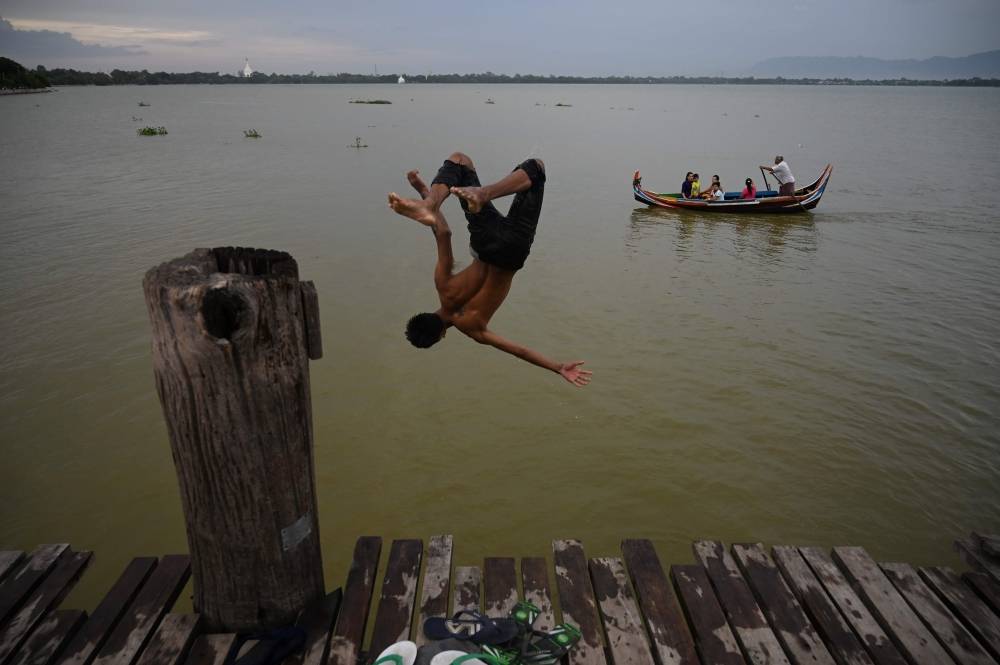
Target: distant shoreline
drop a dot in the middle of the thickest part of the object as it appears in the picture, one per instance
(24, 91)
(64, 77)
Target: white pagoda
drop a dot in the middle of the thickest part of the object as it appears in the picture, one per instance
(247, 70)
(401, 79)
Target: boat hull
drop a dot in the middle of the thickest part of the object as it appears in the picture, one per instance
(804, 199)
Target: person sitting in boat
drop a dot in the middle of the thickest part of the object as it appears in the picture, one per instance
(715, 187)
(696, 186)
(686, 186)
(783, 175)
(749, 192)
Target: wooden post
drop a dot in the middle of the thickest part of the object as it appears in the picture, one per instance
(233, 329)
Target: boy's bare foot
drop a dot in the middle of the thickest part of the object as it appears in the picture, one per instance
(415, 209)
(418, 183)
(475, 197)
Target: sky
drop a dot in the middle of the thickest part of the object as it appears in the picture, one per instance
(580, 37)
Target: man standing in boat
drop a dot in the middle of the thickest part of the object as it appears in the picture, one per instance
(783, 175)
(499, 245)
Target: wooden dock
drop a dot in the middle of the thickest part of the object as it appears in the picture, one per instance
(744, 604)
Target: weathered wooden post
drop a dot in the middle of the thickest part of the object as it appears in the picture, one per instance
(233, 331)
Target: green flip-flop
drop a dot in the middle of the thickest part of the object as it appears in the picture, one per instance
(548, 648)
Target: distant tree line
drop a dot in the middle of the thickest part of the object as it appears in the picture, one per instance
(14, 76)
(144, 77)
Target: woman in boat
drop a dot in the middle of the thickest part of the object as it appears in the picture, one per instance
(686, 186)
(749, 192)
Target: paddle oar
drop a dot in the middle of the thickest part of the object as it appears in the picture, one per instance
(766, 183)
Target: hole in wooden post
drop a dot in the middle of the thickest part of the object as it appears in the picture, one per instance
(221, 310)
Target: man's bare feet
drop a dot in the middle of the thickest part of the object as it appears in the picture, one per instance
(415, 209)
(475, 197)
(418, 183)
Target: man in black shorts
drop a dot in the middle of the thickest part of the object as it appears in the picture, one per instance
(499, 247)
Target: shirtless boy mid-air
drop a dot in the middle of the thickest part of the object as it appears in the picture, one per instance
(499, 246)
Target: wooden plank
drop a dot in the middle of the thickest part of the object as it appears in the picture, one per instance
(317, 620)
(802, 643)
(47, 595)
(9, 559)
(989, 544)
(310, 320)
(712, 635)
(671, 639)
(903, 626)
(867, 627)
(211, 649)
(437, 580)
(622, 621)
(987, 588)
(90, 638)
(171, 641)
(535, 582)
(758, 641)
(19, 584)
(468, 580)
(499, 586)
(841, 641)
(345, 644)
(49, 637)
(956, 640)
(154, 600)
(964, 603)
(399, 590)
(973, 554)
(579, 607)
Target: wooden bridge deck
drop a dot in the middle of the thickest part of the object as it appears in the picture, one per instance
(745, 604)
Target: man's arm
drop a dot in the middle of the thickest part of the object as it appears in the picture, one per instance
(446, 260)
(569, 371)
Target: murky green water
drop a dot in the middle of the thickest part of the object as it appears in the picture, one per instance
(827, 379)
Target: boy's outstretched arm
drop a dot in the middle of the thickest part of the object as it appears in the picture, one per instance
(569, 371)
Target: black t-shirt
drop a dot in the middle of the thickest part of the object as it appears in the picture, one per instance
(686, 189)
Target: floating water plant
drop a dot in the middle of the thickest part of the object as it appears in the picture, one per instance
(357, 143)
(143, 104)
(370, 101)
(151, 131)
(489, 100)
(566, 105)
(251, 133)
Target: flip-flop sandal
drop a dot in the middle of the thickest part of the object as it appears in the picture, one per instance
(524, 613)
(548, 648)
(489, 656)
(472, 626)
(400, 653)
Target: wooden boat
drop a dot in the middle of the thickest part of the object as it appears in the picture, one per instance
(804, 199)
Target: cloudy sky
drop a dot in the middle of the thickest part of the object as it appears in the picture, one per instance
(583, 37)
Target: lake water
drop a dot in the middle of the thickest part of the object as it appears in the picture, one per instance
(828, 378)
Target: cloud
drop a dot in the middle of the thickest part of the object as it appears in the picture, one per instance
(120, 35)
(47, 43)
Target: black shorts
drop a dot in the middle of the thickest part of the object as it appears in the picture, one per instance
(501, 241)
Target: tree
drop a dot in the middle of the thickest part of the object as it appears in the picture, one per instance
(14, 75)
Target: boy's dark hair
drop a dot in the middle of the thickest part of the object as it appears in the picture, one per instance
(697, 177)
(689, 173)
(424, 330)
